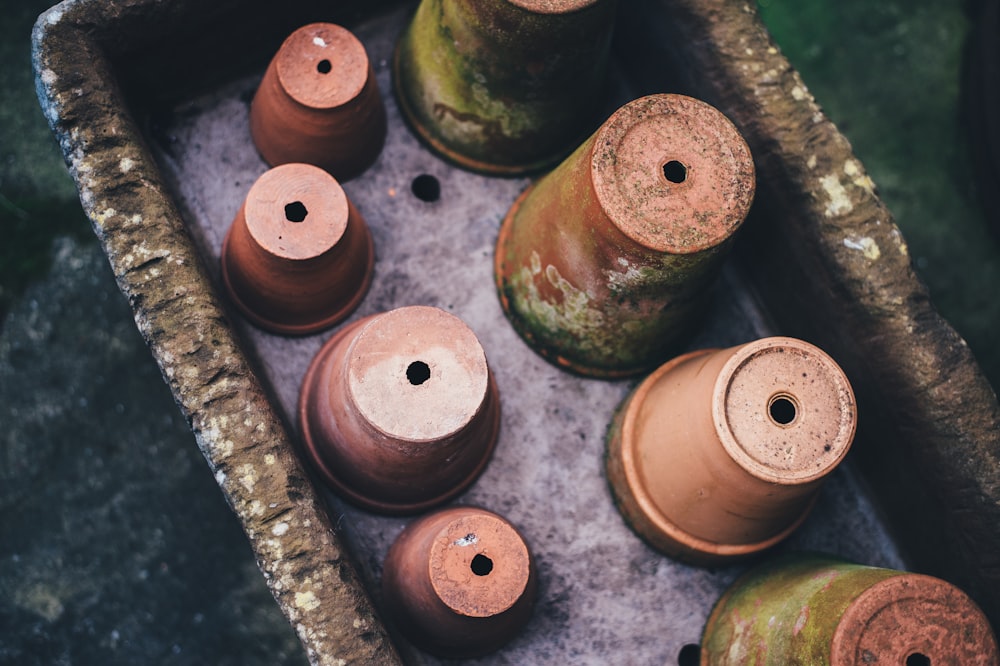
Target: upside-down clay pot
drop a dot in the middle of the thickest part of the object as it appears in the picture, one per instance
(604, 265)
(460, 582)
(319, 103)
(399, 411)
(720, 454)
(817, 610)
(298, 256)
(503, 86)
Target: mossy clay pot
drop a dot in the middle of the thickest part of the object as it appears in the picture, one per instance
(604, 266)
(504, 86)
(818, 610)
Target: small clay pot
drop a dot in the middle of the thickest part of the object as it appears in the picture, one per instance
(319, 103)
(720, 454)
(811, 609)
(460, 582)
(503, 86)
(604, 265)
(298, 257)
(399, 411)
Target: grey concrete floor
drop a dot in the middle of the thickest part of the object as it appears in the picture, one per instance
(116, 547)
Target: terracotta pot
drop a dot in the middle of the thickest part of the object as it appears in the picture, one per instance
(811, 609)
(298, 257)
(604, 265)
(319, 103)
(460, 582)
(399, 411)
(720, 454)
(503, 86)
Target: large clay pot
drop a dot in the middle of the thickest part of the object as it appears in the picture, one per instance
(604, 265)
(720, 454)
(503, 86)
(460, 582)
(817, 610)
(319, 103)
(399, 411)
(298, 257)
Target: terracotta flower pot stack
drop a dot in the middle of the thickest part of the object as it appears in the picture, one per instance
(460, 582)
(809, 609)
(720, 454)
(603, 266)
(503, 86)
(298, 257)
(399, 411)
(319, 103)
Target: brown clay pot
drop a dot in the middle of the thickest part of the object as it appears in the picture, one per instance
(503, 86)
(817, 610)
(460, 582)
(720, 454)
(399, 411)
(604, 265)
(298, 257)
(319, 103)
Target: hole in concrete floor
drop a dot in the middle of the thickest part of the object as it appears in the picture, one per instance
(918, 659)
(689, 655)
(426, 188)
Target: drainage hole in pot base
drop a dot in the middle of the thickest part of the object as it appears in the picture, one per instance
(689, 655)
(295, 211)
(324, 66)
(481, 565)
(675, 172)
(426, 188)
(782, 409)
(917, 659)
(418, 372)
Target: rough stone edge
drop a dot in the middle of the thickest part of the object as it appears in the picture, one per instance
(158, 269)
(823, 239)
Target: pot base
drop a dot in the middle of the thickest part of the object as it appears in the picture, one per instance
(526, 334)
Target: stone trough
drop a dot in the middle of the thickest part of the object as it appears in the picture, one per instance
(149, 102)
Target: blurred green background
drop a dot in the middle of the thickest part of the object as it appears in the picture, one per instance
(174, 582)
